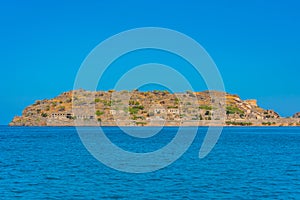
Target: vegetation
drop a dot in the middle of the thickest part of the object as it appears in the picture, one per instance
(239, 123)
(107, 103)
(233, 110)
(134, 117)
(146, 104)
(205, 107)
(200, 117)
(131, 103)
(140, 107)
(44, 115)
(71, 117)
(141, 123)
(133, 110)
(61, 108)
(99, 113)
(169, 107)
(268, 123)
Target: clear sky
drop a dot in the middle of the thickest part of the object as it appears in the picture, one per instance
(255, 44)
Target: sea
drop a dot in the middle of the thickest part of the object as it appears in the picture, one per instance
(245, 163)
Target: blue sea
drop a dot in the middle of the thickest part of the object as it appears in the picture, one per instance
(246, 163)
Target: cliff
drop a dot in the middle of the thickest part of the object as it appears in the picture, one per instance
(154, 108)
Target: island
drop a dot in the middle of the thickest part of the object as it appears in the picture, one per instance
(150, 108)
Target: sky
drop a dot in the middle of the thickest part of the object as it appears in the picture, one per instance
(255, 45)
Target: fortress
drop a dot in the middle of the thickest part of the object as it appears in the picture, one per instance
(155, 108)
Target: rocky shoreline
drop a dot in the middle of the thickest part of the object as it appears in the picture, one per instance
(155, 108)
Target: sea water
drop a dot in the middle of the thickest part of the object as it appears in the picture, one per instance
(246, 163)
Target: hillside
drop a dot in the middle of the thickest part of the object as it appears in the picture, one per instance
(153, 108)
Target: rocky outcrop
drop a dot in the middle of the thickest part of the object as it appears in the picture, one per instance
(155, 108)
(252, 102)
(296, 115)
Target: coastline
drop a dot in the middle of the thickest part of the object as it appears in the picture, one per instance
(156, 108)
(283, 122)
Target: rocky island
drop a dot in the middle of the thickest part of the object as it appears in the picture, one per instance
(152, 108)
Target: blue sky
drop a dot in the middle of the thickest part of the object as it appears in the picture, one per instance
(255, 44)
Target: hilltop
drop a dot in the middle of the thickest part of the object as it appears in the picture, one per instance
(152, 108)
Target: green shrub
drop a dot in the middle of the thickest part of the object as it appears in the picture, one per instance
(61, 108)
(140, 107)
(133, 110)
(134, 117)
(239, 123)
(200, 117)
(233, 110)
(44, 115)
(266, 123)
(107, 103)
(172, 107)
(99, 113)
(205, 107)
(141, 123)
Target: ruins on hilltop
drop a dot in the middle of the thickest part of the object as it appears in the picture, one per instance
(152, 108)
